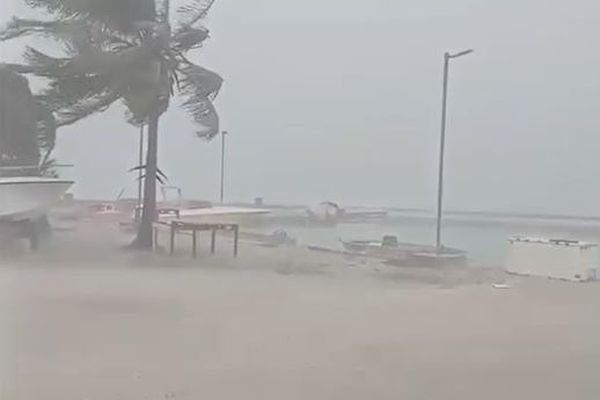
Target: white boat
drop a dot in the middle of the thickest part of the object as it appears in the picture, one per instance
(26, 198)
(216, 214)
(390, 249)
(175, 206)
(330, 213)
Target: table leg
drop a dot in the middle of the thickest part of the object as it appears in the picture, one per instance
(236, 232)
(194, 244)
(172, 239)
(213, 239)
(155, 241)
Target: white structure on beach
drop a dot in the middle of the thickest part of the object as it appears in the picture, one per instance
(27, 198)
(558, 259)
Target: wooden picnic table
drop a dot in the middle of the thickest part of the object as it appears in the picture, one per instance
(178, 226)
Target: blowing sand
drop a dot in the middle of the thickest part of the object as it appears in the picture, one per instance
(138, 327)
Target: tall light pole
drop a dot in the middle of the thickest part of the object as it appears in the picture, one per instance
(222, 196)
(140, 173)
(447, 58)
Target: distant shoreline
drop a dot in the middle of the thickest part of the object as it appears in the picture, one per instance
(466, 216)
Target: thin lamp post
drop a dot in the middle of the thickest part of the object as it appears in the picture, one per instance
(141, 162)
(222, 193)
(447, 58)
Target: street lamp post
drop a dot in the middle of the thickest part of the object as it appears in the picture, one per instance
(222, 196)
(447, 58)
(140, 173)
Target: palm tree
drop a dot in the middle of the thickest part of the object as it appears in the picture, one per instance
(128, 51)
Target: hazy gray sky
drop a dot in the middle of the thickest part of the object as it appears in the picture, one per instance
(340, 100)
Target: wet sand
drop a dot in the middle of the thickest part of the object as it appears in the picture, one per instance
(102, 326)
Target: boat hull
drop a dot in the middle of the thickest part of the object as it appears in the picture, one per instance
(216, 215)
(23, 199)
(405, 252)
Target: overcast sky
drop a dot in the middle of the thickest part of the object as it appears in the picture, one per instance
(340, 100)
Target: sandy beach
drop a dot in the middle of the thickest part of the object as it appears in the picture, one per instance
(284, 324)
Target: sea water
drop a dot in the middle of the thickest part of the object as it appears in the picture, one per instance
(485, 243)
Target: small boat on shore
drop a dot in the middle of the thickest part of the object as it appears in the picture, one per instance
(274, 239)
(221, 214)
(389, 249)
(27, 198)
(330, 213)
(176, 207)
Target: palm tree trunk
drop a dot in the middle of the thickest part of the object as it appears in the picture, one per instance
(145, 237)
(149, 212)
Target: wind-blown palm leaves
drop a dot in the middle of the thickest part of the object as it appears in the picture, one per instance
(127, 51)
(102, 64)
(161, 177)
(18, 138)
(46, 133)
(115, 13)
(27, 129)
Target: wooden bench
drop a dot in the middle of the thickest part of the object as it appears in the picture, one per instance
(180, 227)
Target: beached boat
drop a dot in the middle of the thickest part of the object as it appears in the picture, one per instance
(216, 214)
(175, 206)
(27, 198)
(274, 239)
(363, 215)
(332, 213)
(389, 249)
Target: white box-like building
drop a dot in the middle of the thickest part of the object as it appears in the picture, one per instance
(550, 258)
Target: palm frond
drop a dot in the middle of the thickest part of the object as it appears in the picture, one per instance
(159, 172)
(65, 92)
(60, 7)
(43, 64)
(85, 108)
(46, 128)
(189, 38)
(92, 61)
(199, 86)
(160, 179)
(18, 134)
(193, 12)
(20, 27)
(204, 114)
(48, 167)
(118, 14)
(18, 68)
(199, 81)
